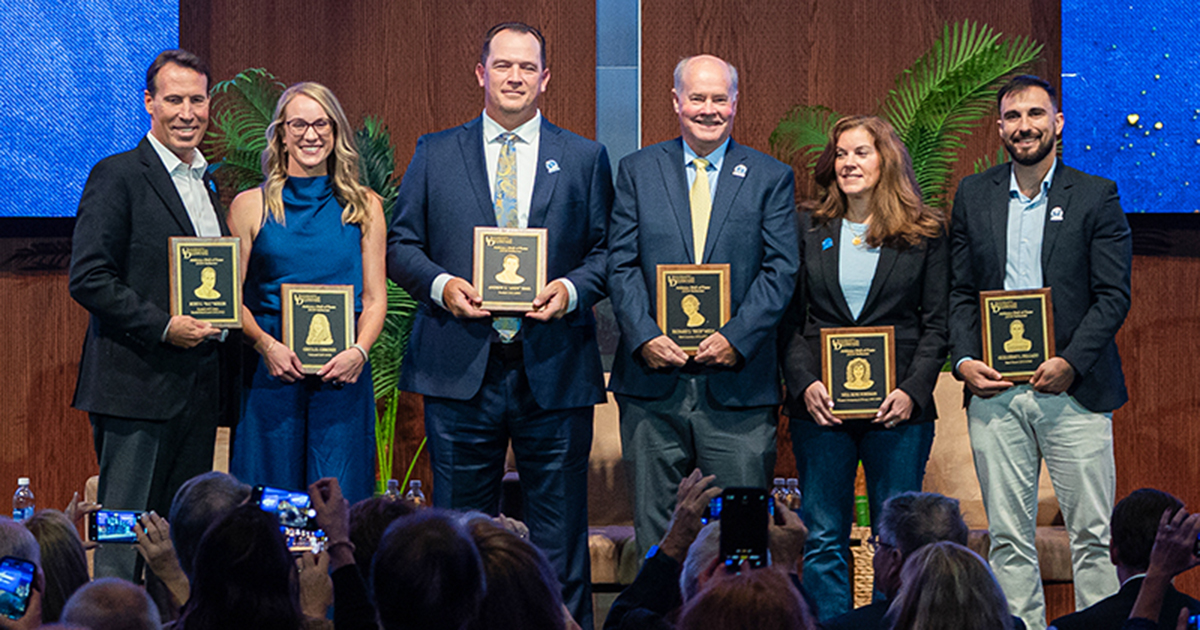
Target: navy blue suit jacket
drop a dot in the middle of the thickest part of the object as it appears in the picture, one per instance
(752, 227)
(444, 195)
(119, 273)
(908, 292)
(1086, 259)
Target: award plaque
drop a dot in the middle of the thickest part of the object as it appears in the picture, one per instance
(858, 367)
(693, 302)
(206, 279)
(510, 267)
(318, 321)
(1018, 331)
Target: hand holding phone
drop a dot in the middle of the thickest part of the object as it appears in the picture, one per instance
(745, 516)
(16, 586)
(297, 518)
(113, 526)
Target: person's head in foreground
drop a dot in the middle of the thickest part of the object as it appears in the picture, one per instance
(947, 586)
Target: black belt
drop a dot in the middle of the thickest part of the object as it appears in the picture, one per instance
(508, 351)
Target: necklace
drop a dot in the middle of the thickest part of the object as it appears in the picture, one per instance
(858, 233)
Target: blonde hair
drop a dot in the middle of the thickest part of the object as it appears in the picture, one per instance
(946, 586)
(342, 161)
(899, 218)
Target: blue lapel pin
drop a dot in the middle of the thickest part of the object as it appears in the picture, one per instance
(551, 166)
(739, 170)
(827, 243)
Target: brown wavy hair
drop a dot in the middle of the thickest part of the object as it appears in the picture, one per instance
(342, 161)
(899, 218)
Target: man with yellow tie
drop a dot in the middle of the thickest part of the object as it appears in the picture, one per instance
(490, 379)
(699, 199)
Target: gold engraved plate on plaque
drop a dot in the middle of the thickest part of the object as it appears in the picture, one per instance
(509, 267)
(692, 302)
(206, 279)
(1018, 331)
(318, 321)
(858, 368)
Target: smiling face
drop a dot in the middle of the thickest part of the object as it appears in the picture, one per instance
(1029, 126)
(307, 151)
(178, 109)
(512, 78)
(706, 103)
(857, 163)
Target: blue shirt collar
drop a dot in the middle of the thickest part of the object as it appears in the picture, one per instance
(714, 159)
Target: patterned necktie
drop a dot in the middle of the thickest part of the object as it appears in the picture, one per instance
(701, 202)
(505, 202)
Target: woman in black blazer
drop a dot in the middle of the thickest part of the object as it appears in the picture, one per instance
(873, 254)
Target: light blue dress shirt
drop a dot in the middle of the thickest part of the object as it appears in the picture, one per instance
(1026, 228)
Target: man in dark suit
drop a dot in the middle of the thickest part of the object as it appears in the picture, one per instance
(488, 379)
(716, 410)
(1039, 223)
(148, 380)
(1135, 522)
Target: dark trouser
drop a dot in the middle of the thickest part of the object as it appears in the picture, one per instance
(663, 439)
(468, 441)
(827, 461)
(143, 463)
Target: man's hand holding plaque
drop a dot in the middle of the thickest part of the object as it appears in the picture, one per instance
(1018, 339)
(693, 304)
(858, 373)
(205, 285)
(510, 270)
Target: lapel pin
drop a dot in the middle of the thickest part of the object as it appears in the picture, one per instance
(1056, 214)
(827, 243)
(551, 166)
(739, 170)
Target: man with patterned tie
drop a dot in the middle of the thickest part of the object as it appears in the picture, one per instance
(700, 199)
(489, 380)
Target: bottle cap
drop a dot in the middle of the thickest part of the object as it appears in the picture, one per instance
(779, 481)
(415, 483)
(392, 483)
(22, 481)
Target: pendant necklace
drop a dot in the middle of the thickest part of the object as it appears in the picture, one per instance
(858, 233)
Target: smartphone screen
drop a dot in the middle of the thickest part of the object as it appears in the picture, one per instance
(16, 578)
(745, 514)
(113, 526)
(297, 519)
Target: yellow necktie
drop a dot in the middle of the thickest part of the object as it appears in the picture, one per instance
(701, 202)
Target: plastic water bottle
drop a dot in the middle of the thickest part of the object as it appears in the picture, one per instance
(414, 494)
(793, 494)
(393, 491)
(23, 500)
(780, 492)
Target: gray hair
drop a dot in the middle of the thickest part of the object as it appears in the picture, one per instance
(911, 520)
(112, 604)
(18, 542)
(687, 61)
(703, 551)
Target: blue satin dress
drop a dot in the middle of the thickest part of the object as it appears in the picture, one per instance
(292, 434)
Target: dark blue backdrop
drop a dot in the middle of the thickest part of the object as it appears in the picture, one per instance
(1126, 60)
(71, 79)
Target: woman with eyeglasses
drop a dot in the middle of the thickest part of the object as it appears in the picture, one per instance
(310, 222)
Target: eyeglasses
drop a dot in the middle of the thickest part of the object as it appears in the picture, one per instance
(875, 543)
(300, 127)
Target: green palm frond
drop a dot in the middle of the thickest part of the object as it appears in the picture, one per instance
(242, 108)
(988, 161)
(803, 131)
(388, 350)
(377, 162)
(945, 93)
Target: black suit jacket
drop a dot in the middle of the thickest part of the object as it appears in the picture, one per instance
(1086, 259)
(909, 292)
(119, 273)
(1110, 613)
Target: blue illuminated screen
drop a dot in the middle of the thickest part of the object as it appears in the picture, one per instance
(1131, 98)
(72, 74)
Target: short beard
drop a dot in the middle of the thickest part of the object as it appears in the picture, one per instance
(1039, 154)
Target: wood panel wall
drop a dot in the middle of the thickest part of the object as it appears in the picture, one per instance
(841, 54)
